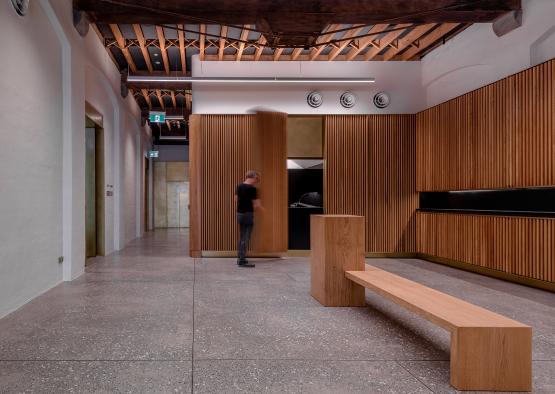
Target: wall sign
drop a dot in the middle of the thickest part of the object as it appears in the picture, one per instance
(156, 117)
(153, 154)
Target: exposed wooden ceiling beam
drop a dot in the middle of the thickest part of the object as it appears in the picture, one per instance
(159, 96)
(147, 98)
(343, 44)
(428, 40)
(182, 53)
(162, 41)
(261, 42)
(407, 40)
(364, 42)
(188, 100)
(296, 52)
(221, 48)
(202, 30)
(277, 53)
(174, 101)
(121, 44)
(270, 57)
(314, 52)
(384, 41)
(142, 43)
(243, 37)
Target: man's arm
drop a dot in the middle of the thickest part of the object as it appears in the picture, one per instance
(257, 204)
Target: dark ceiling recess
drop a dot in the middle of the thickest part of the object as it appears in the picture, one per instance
(159, 37)
(295, 22)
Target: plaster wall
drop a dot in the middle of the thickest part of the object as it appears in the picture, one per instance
(45, 86)
(477, 57)
(30, 157)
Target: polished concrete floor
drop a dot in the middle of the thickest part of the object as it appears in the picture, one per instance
(149, 319)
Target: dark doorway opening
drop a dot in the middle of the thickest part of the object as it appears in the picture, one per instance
(94, 189)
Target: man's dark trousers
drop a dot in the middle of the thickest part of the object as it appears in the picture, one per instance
(246, 222)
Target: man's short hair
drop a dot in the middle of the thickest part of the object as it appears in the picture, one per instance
(252, 174)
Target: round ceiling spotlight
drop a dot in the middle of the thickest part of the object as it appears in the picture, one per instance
(381, 100)
(21, 7)
(347, 100)
(314, 99)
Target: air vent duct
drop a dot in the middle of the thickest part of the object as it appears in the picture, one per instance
(347, 100)
(314, 99)
(381, 100)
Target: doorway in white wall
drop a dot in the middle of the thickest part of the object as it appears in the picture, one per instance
(171, 194)
(94, 188)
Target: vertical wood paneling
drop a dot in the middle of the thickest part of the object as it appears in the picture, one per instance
(272, 233)
(516, 245)
(195, 176)
(222, 149)
(499, 136)
(370, 171)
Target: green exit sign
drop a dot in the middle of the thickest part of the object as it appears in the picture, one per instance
(157, 117)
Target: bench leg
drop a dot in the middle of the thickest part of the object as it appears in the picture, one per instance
(494, 359)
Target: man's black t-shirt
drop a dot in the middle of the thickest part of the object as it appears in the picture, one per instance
(245, 194)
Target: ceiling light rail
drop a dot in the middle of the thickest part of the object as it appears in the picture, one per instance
(284, 80)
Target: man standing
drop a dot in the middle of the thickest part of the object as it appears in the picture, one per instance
(246, 197)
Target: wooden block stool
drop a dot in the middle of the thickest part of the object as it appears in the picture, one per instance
(337, 245)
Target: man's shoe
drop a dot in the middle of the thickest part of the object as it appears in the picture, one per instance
(244, 263)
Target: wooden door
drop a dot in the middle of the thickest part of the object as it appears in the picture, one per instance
(222, 149)
(90, 191)
(270, 234)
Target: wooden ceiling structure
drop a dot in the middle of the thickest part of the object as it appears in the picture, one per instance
(158, 38)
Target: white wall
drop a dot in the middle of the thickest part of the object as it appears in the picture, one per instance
(400, 79)
(30, 157)
(51, 73)
(477, 57)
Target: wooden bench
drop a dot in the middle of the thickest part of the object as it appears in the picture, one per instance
(488, 351)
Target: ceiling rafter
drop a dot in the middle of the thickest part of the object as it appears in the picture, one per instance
(243, 37)
(182, 54)
(160, 99)
(188, 101)
(363, 43)
(277, 54)
(343, 44)
(407, 40)
(146, 96)
(121, 44)
(162, 43)
(296, 53)
(142, 44)
(222, 46)
(314, 52)
(202, 30)
(429, 40)
(383, 42)
(174, 101)
(260, 48)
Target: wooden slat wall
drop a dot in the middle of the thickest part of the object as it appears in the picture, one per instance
(195, 187)
(222, 149)
(370, 171)
(499, 136)
(272, 233)
(523, 246)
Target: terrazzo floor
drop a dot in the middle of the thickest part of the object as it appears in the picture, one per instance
(149, 319)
